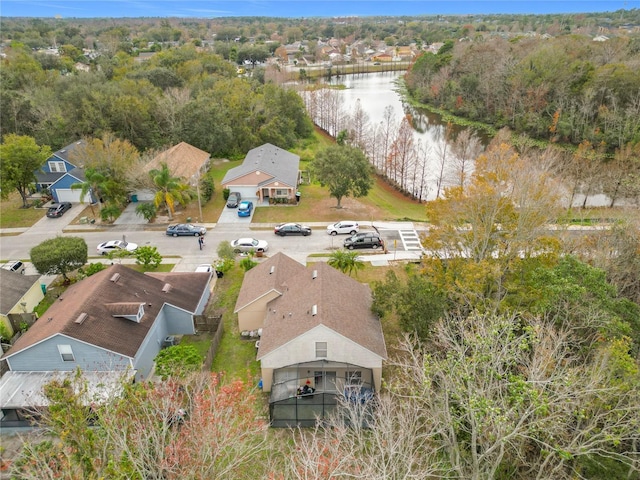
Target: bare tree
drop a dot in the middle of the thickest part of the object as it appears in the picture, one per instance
(466, 147)
(490, 392)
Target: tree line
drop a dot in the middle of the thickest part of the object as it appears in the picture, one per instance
(181, 94)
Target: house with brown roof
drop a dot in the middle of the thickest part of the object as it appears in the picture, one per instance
(183, 160)
(318, 331)
(113, 321)
(267, 173)
(19, 295)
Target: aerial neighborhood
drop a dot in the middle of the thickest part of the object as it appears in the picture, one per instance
(336, 247)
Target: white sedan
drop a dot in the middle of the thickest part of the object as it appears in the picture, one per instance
(244, 245)
(105, 248)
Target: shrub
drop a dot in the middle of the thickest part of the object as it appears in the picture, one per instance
(147, 211)
(178, 361)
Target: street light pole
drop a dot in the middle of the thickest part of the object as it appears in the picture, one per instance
(198, 191)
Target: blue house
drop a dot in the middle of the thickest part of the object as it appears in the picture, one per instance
(62, 170)
(115, 321)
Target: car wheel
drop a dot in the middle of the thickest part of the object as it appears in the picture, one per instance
(175, 234)
(197, 234)
(237, 250)
(334, 233)
(350, 247)
(352, 232)
(375, 246)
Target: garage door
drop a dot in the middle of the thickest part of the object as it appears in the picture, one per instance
(68, 195)
(248, 193)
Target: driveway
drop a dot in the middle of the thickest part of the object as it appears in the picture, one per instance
(230, 215)
(130, 217)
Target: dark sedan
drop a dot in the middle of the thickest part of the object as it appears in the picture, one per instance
(185, 229)
(292, 229)
(57, 209)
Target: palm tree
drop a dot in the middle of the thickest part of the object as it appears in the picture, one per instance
(169, 189)
(93, 185)
(345, 261)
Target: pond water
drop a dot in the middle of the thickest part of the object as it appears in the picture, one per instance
(440, 166)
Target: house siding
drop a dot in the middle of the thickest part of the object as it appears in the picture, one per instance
(31, 297)
(64, 183)
(252, 316)
(302, 350)
(170, 321)
(45, 356)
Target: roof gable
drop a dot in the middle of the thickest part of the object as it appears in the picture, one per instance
(95, 297)
(321, 295)
(273, 274)
(269, 159)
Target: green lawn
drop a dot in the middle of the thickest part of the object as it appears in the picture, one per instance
(235, 357)
(12, 215)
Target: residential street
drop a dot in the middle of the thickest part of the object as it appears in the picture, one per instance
(401, 239)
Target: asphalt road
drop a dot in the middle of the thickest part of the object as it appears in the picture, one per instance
(186, 249)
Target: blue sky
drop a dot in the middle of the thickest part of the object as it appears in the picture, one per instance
(299, 8)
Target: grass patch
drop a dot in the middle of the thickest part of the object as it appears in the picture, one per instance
(235, 357)
(202, 342)
(12, 215)
(163, 267)
(393, 204)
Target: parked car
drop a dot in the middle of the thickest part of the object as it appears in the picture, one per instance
(346, 226)
(57, 209)
(14, 266)
(364, 240)
(234, 199)
(292, 229)
(204, 267)
(105, 248)
(244, 245)
(245, 208)
(182, 229)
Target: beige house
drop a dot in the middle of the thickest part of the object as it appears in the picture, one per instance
(317, 331)
(267, 174)
(19, 296)
(183, 160)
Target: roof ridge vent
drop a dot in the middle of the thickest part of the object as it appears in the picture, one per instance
(81, 318)
(314, 274)
(314, 310)
(115, 277)
(273, 269)
(166, 288)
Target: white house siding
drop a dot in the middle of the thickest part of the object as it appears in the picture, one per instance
(302, 349)
(45, 356)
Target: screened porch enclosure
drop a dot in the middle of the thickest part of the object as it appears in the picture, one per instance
(328, 383)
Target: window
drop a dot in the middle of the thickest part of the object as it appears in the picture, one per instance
(321, 349)
(353, 377)
(280, 192)
(57, 167)
(66, 353)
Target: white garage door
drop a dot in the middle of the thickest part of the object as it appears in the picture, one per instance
(248, 193)
(68, 195)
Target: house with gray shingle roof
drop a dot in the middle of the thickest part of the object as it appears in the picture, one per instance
(267, 172)
(318, 331)
(113, 321)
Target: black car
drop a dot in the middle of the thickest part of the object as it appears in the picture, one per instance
(364, 240)
(57, 209)
(234, 199)
(182, 229)
(292, 229)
